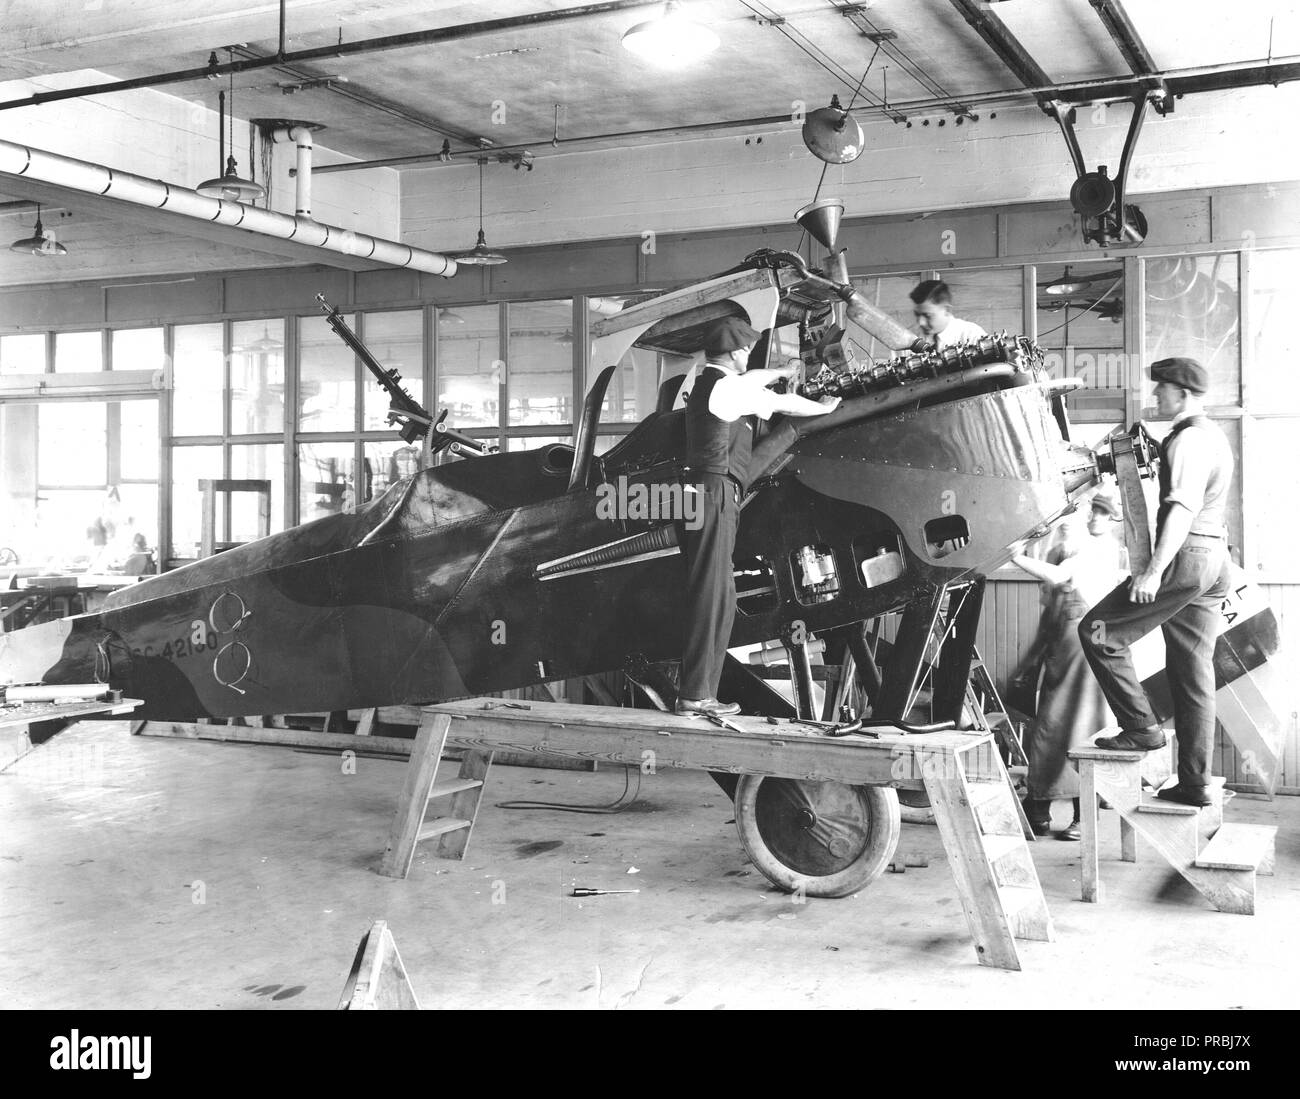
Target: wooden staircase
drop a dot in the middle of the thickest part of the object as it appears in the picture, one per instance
(1220, 860)
(985, 834)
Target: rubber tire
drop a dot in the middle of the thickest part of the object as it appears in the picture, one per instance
(881, 803)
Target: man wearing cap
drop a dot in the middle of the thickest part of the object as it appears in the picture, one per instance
(719, 433)
(1179, 591)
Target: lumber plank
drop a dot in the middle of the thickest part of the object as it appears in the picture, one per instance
(1237, 847)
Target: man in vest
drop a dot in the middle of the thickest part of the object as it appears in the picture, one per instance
(719, 433)
(1179, 591)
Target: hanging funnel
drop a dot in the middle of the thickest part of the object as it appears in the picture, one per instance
(821, 220)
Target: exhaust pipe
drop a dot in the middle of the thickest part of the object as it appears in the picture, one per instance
(95, 179)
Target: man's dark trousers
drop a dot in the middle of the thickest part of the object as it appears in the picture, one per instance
(1186, 608)
(710, 584)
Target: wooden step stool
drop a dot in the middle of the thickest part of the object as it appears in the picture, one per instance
(420, 786)
(1219, 860)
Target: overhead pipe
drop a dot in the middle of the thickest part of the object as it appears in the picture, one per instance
(338, 49)
(27, 162)
(1204, 78)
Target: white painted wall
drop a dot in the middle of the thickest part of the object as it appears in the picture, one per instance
(1214, 139)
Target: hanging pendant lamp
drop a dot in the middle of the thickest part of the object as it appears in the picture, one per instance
(229, 185)
(39, 243)
(480, 255)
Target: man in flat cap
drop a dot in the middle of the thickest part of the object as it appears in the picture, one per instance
(1179, 591)
(719, 433)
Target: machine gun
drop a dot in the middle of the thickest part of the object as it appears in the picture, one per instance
(413, 421)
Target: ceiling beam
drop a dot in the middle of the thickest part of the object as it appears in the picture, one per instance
(340, 49)
(1127, 40)
(997, 35)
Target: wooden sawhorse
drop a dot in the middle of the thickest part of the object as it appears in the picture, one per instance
(974, 805)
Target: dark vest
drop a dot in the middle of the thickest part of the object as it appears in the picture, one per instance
(713, 445)
(1213, 513)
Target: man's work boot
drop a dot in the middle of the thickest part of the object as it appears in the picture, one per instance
(688, 706)
(1139, 740)
(1186, 795)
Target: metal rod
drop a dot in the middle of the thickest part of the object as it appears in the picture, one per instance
(338, 49)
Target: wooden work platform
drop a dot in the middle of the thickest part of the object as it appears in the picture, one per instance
(786, 750)
(978, 815)
(17, 717)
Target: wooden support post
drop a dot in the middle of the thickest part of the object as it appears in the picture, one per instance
(1128, 851)
(1090, 873)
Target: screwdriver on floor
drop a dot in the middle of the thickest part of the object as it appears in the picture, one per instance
(583, 891)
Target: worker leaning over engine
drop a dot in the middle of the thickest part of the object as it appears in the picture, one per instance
(932, 307)
(720, 412)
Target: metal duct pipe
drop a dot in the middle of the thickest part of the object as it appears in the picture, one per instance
(301, 137)
(95, 179)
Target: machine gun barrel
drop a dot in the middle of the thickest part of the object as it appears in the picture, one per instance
(410, 417)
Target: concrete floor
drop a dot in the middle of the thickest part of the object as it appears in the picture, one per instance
(152, 873)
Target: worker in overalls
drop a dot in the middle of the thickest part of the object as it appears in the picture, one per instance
(1179, 591)
(720, 412)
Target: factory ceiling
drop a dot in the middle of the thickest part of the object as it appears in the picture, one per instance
(542, 77)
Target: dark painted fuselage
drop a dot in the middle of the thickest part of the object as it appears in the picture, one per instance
(431, 592)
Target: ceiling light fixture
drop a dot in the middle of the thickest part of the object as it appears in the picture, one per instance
(671, 38)
(1064, 286)
(229, 185)
(480, 255)
(40, 243)
(832, 134)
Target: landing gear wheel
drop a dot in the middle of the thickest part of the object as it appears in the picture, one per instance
(825, 839)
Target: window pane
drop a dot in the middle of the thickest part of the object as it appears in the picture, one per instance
(1274, 305)
(1273, 448)
(66, 528)
(1192, 310)
(1081, 329)
(541, 363)
(139, 457)
(73, 443)
(257, 377)
(536, 442)
(327, 386)
(324, 479)
(190, 464)
(397, 341)
(18, 432)
(889, 293)
(138, 349)
(994, 299)
(77, 352)
(22, 354)
(386, 464)
(260, 462)
(197, 382)
(469, 366)
(137, 530)
(634, 387)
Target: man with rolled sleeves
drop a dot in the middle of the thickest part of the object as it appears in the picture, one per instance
(720, 412)
(1179, 591)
